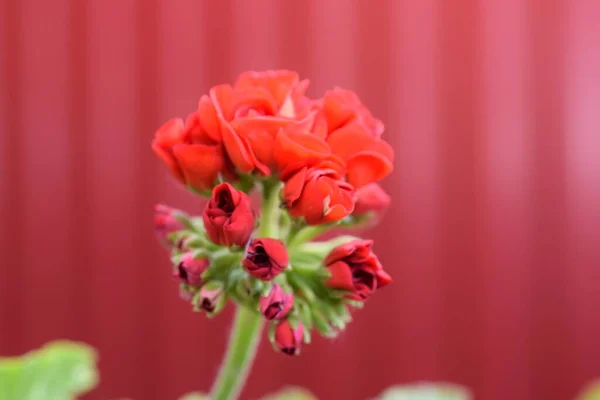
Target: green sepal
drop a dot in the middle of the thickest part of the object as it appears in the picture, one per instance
(245, 183)
(203, 193)
(322, 324)
(303, 289)
(304, 314)
(305, 261)
(195, 242)
(323, 273)
(196, 301)
(176, 258)
(306, 335)
(294, 321)
(355, 303)
(271, 334)
(185, 219)
(337, 294)
(342, 310)
(197, 223)
(235, 276)
(223, 266)
(200, 253)
(323, 248)
(267, 286)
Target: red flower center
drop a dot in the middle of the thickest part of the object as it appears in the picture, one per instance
(260, 256)
(225, 202)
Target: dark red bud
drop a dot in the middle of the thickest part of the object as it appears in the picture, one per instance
(228, 216)
(276, 304)
(189, 270)
(287, 339)
(265, 258)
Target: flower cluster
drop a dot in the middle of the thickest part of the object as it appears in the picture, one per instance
(316, 163)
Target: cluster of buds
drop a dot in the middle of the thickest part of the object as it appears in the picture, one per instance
(317, 163)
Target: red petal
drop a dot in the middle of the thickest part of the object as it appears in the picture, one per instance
(170, 161)
(222, 99)
(209, 119)
(294, 186)
(299, 148)
(368, 167)
(383, 278)
(350, 140)
(341, 276)
(199, 163)
(237, 149)
(278, 83)
(170, 133)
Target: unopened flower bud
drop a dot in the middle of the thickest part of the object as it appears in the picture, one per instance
(265, 258)
(287, 339)
(371, 198)
(189, 270)
(165, 224)
(276, 304)
(228, 216)
(356, 270)
(211, 298)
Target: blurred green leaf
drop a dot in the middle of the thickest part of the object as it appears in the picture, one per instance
(291, 393)
(426, 391)
(590, 392)
(60, 370)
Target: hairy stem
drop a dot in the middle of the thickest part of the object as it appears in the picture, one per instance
(243, 342)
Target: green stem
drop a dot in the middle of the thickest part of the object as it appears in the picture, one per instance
(243, 342)
(269, 218)
(248, 323)
(307, 233)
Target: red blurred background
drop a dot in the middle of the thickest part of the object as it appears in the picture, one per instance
(493, 239)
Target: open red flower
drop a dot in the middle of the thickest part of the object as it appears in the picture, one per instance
(228, 216)
(355, 268)
(320, 195)
(252, 112)
(343, 107)
(294, 149)
(193, 155)
(368, 159)
(265, 258)
(287, 339)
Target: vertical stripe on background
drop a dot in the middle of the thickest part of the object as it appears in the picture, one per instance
(460, 193)
(582, 151)
(12, 188)
(186, 337)
(411, 227)
(45, 172)
(113, 259)
(255, 28)
(79, 172)
(552, 355)
(505, 160)
(372, 73)
(150, 310)
(335, 44)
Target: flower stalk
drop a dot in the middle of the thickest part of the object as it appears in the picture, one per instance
(247, 324)
(241, 350)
